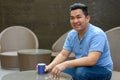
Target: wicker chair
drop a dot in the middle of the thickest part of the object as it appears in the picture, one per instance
(12, 39)
(114, 41)
(58, 45)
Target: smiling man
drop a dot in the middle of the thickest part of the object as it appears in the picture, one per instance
(91, 48)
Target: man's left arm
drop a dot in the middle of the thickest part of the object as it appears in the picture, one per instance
(89, 60)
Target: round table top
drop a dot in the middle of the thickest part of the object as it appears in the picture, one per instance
(35, 51)
(32, 75)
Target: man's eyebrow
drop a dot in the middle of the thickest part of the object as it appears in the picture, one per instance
(76, 15)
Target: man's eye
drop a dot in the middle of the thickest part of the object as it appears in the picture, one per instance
(79, 17)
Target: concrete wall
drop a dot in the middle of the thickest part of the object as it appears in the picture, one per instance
(49, 19)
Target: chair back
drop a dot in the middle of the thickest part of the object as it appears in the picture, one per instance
(58, 45)
(17, 38)
(114, 41)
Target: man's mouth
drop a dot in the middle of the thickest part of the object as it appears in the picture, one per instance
(76, 25)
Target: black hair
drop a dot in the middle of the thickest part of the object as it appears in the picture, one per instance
(81, 6)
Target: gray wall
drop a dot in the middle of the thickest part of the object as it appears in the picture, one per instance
(49, 19)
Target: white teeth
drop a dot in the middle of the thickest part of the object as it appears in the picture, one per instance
(77, 25)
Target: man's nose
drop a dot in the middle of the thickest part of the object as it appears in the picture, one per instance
(75, 20)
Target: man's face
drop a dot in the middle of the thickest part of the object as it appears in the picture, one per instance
(78, 19)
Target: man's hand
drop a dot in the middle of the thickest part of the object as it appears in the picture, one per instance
(36, 68)
(58, 68)
(48, 68)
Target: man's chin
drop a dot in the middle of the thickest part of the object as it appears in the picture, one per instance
(78, 29)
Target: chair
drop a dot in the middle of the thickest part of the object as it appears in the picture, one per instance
(12, 39)
(58, 45)
(114, 41)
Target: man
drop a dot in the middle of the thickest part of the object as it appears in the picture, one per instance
(91, 48)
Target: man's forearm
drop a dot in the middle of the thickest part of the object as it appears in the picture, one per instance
(59, 58)
(89, 60)
(78, 62)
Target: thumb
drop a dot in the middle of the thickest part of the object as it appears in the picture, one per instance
(47, 68)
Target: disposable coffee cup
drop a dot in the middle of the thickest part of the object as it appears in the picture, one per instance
(41, 68)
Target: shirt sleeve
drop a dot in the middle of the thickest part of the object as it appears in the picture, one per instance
(97, 43)
(67, 44)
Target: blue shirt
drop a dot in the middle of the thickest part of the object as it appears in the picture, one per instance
(93, 40)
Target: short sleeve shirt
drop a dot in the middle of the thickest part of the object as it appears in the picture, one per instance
(93, 40)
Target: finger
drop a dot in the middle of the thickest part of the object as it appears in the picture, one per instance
(58, 73)
(55, 72)
(36, 68)
(46, 68)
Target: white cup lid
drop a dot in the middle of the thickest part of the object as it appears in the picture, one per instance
(41, 64)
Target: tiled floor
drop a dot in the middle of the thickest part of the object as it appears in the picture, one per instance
(6, 71)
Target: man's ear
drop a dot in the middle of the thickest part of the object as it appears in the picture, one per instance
(88, 18)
